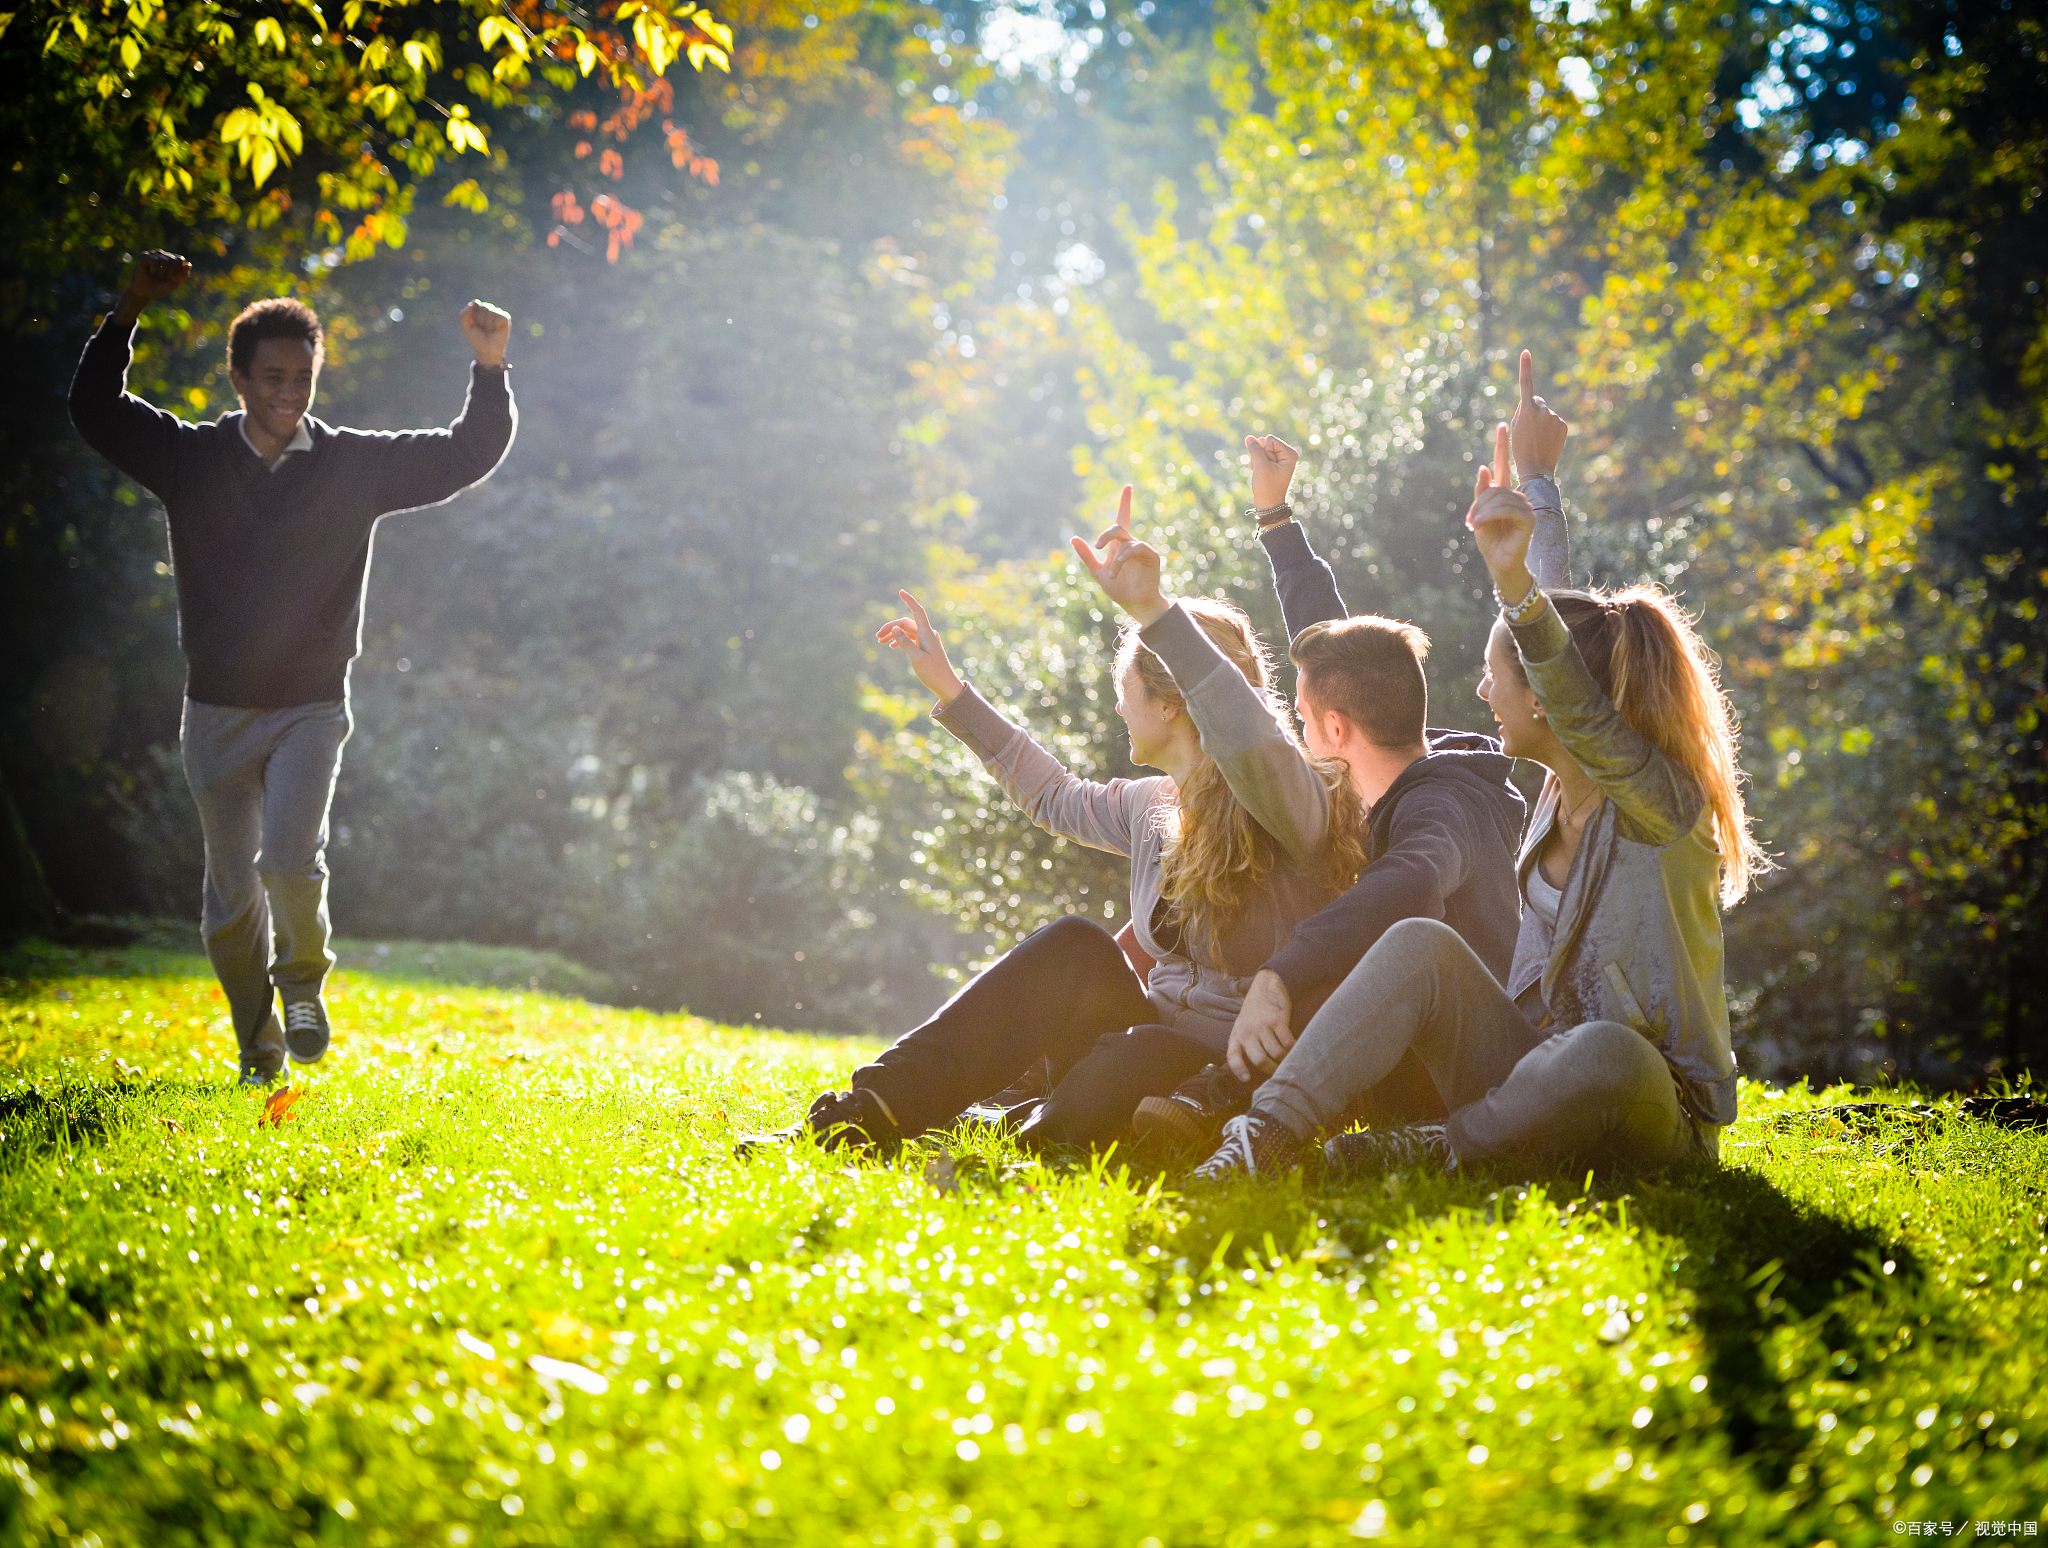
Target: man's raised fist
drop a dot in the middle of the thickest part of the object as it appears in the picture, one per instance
(157, 274)
(488, 330)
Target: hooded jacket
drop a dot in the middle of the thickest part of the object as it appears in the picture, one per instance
(1638, 937)
(1440, 845)
(1442, 838)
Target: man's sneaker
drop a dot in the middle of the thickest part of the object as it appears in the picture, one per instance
(1253, 1146)
(263, 1060)
(1421, 1145)
(1192, 1117)
(1034, 1082)
(306, 1033)
(837, 1120)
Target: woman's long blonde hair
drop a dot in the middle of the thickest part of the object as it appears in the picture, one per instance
(1646, 656)
(1216, 857)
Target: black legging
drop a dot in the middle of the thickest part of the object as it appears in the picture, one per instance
(1065, 993)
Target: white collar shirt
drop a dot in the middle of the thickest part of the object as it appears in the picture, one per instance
(302, 440)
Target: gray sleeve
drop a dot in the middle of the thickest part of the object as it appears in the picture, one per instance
(1270, 776)
(1101, 815)
(1655, 800)
(1550, 545)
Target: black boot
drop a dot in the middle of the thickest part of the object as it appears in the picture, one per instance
(837, 1120)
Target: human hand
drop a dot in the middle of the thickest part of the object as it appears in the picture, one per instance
(488, 330)
(1273, 463)
(1502, 520)
(1260, 1037)
(1536, 433)
(155, 275)
(918, 640)
(1128, 572)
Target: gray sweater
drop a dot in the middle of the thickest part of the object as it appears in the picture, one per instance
(1638, 937)
(1195, 987)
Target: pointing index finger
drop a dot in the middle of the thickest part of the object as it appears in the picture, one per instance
(1528, 379)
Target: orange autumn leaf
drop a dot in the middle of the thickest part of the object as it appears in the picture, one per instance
(280, 1106)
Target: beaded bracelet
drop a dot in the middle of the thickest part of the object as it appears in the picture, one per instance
(1524, 611)
(1264, 516)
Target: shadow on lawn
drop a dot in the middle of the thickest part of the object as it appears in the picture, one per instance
(1754, 1261)
(38, 1120)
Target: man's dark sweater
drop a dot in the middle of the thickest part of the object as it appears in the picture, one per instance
(1441, 841)
(271, 566)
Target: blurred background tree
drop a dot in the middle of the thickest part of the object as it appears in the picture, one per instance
(901, 299)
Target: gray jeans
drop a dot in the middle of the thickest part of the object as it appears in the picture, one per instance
(263, 779)
(1600, 1091)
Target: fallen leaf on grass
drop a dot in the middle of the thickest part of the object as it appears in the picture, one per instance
(279, 1107)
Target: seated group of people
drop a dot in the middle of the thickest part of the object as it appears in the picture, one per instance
(1350, 935)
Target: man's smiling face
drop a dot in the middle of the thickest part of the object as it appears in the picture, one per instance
(277, 389)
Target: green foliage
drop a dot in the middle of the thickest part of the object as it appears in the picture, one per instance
(1770, 336)
(169, 114)
(497, 1279)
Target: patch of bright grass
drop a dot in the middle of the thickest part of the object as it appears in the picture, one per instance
(498, 1279)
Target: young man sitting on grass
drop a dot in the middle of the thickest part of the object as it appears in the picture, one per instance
(1444, 820)
(271, 514)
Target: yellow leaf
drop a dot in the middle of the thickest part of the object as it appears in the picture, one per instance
(382, 100)
(131, 52)
(416, 56)
(502, 29)
(586, 57)
(699, 52)
(238, 125)
(718, 30)
(268, 31)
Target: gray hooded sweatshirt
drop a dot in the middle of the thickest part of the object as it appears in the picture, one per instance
(1638, 937)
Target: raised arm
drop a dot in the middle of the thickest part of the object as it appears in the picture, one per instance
(1307, 587)
(136, 437)
(1536, 438)
(425, 467)
(1268, 773)
(1657, 802)
(1107, 816)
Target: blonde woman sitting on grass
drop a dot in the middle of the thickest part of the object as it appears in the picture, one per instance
(1238, 838)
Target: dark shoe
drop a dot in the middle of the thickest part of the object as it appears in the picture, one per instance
(1424, 1146)
(306, 1033)
(1192, 1117)
(263, 1061)
(837, 1120)
(1034, 1082)
(1252, 1147)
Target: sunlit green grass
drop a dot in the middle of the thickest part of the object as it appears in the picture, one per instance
(498, 1279)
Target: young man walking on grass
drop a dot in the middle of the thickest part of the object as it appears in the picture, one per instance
(271, 515)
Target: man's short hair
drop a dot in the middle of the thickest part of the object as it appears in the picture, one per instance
(280, 317)
(1369, 670)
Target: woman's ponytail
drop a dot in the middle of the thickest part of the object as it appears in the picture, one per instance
(1644, 652)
